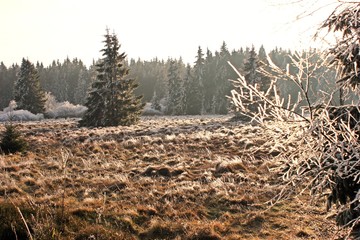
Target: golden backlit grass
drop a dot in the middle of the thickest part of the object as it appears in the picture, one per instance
(165, 178)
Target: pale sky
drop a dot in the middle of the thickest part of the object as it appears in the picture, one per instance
(46, 30)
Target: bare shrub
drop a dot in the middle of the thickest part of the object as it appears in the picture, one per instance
(325, 161)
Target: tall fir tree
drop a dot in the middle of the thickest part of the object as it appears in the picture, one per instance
(262, 54)
(4, 86)
(82, 87)
(175, 90)
(194, 95)
(112, 101)
(28, 93)
(210, 70)
(254, 77)
(252, 67)
(220, 102)
(187, 98)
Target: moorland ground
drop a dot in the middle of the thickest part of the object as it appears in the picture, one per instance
(203, 177)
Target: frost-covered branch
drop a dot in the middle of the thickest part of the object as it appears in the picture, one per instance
(325, 161)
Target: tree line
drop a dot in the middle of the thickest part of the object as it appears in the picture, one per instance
(172, 86)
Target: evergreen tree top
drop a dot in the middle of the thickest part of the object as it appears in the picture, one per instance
(199, 57)
(224, 50)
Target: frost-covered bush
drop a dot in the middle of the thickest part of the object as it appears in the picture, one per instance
(12, 106)
(325, 154)
(54, 109)
(20, 115)
(10, 114)
(149, 111)
(65, 110)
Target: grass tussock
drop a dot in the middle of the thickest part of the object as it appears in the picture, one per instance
(165, 178)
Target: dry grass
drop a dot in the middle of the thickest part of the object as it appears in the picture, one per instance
(165, 178)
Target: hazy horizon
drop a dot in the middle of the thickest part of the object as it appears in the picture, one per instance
(47, 30)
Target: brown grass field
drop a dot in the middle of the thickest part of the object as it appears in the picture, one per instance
(165, 178)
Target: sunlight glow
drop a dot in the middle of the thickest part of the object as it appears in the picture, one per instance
(46, 30)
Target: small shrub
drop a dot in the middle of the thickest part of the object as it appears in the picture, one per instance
(11, 141)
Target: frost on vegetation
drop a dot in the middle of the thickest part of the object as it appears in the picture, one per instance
(53, 109)
(10, 114)
(65, 109)
(149, 111)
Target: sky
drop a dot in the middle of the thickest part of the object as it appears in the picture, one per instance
(47, 30)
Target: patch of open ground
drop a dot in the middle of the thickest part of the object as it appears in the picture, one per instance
(165, 178)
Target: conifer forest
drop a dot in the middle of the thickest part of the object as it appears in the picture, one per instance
(245, 143)
(201, 86)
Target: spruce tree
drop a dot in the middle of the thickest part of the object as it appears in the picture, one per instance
(254, 77)
(82, 87)
(197, 106)
(251, 69)
(4, 86)
(112, 101)
(209, 84)
(28, 93)
(193, 86)
(11, 140)
(187, 98)
(175, 92)
(220, 102)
